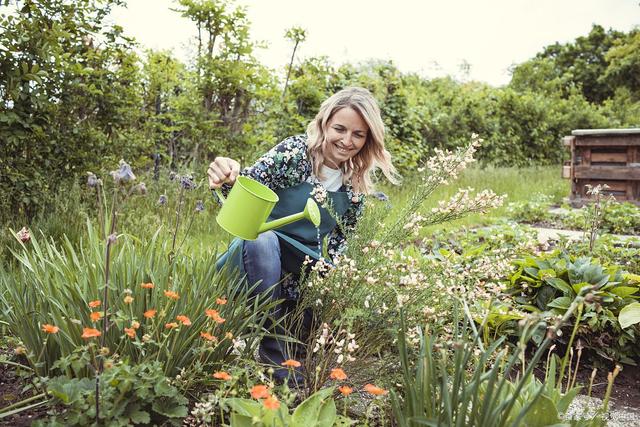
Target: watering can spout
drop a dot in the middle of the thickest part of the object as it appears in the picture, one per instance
(311, 212)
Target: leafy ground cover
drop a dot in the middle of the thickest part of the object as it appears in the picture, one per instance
(428, 318)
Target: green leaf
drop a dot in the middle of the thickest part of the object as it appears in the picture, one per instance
(307, 414)
(560, 285)
(327, 416)
(561, 302)
(246, 407)
(629, 315)
(140, 417)
(543, 413)
(624, 291)
(578, 286)
(238, 420)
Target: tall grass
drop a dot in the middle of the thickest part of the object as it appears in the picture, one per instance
(518, 184)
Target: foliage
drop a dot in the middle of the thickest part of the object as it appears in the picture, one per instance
(56, 284)
(318, 410)
(131, 395)
(459, 382)
(535, 210)
(580, 64)
(67, 101)
(359, 298)
(550, 282)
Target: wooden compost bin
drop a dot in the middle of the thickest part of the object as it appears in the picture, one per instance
(604, 156)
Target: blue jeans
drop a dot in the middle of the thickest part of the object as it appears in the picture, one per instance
(262, 263)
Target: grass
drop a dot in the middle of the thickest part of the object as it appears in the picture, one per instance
(518, 184)
(205, 236)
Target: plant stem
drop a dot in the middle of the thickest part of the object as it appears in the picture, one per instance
(566, 355)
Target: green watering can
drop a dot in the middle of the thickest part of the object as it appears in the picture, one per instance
(248, 205)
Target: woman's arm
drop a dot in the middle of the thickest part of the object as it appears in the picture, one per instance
(283, 166)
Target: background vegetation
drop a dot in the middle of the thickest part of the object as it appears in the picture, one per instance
(76, 97)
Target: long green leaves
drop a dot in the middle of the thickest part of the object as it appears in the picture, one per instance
(54, 285)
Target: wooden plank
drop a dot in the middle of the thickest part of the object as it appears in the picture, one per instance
(608, 141)
(613, 185)
(567, 140)
(583, 132)
(607, 172)
(609, 157)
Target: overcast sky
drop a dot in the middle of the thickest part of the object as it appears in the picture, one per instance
(430, 37)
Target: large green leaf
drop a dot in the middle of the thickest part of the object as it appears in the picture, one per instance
(308, 412)
(629, 315)
(624, 291)
(543, 413)
(561, 302)
(560, 285)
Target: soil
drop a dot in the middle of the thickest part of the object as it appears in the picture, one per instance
(11, 386)
(626, 387)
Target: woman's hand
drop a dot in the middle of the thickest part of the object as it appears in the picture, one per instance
(222, 170)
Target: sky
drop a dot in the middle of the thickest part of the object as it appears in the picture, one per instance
(430, 37)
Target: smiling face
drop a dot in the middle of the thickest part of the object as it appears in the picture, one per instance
(346, 134)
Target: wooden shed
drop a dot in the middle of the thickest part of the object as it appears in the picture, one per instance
(604, 156)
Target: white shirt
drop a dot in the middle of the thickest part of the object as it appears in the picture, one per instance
(330, 178)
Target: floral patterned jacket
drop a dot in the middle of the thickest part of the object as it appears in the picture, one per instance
(286, 165)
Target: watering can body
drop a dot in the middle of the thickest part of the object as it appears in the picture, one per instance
(245, 210)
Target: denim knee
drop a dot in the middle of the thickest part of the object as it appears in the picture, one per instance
(262, 261)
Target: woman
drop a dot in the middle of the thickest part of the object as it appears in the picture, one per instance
(333, 163)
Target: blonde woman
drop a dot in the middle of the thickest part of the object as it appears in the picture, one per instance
(333, 163)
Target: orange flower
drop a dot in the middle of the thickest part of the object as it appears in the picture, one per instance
(90, 333)
(376, 391)
(338, 374)
(207, 336)
(221, 301)
(184, 320)
(345, 390)
(260, 391)
(94, 304)
(50, 329)
(290, 363)
(172, 295)
(271, 402)
(171, 325)
(131, 332)
(150, 314)
(213, 314)
(128, 299)
(147, 285)
(221, 375)
(95, 315)
(135, 324)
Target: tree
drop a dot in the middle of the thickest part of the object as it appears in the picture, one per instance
(581, 64)
(297, 35)
(69, 93)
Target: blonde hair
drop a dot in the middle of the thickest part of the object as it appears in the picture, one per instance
(361, 167)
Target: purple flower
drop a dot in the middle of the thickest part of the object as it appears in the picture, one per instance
(124, 174)
(162, 200)
(112, 238)
(186, 181)
(92, 180)
(199, 206)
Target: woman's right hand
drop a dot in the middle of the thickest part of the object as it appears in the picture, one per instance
(222, 170)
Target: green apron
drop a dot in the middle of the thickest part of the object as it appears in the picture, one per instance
(298, 239)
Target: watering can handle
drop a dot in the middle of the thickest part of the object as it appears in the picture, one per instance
(219, 194)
